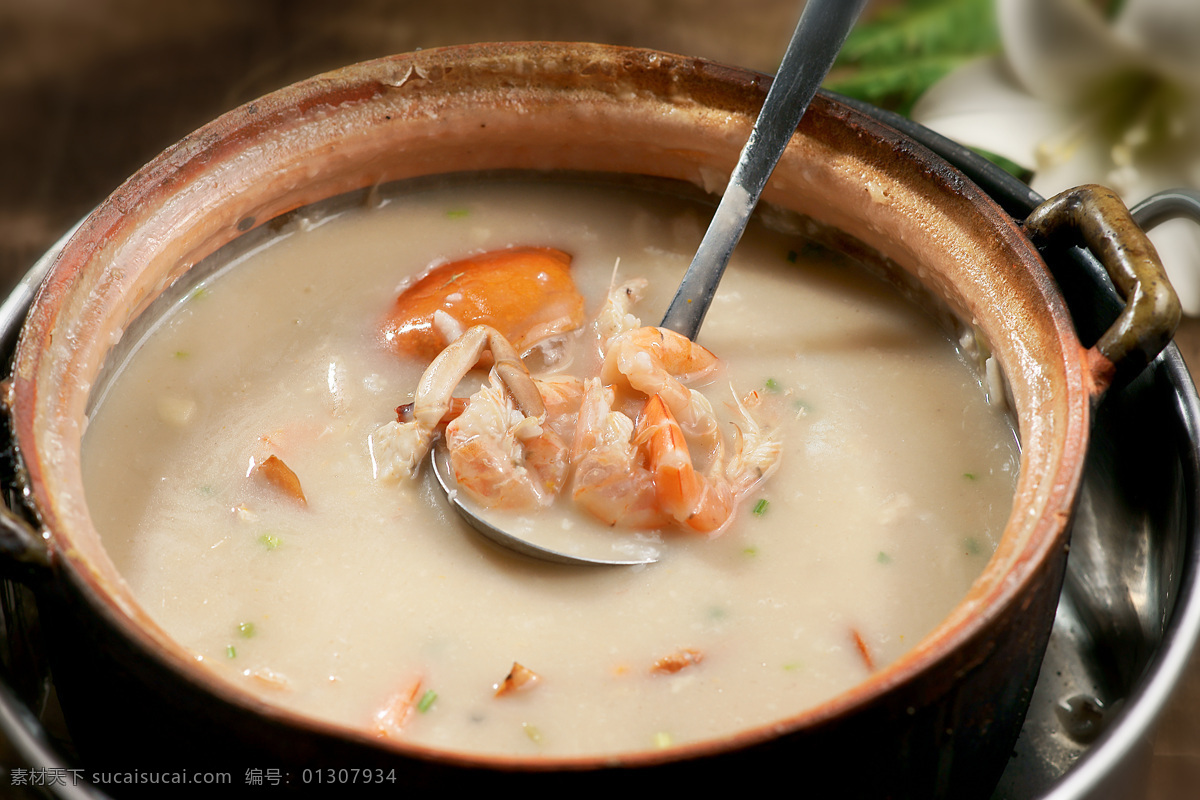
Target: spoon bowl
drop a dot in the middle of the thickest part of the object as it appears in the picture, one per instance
(494, 526)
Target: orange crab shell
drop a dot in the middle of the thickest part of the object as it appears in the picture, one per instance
(526, 293)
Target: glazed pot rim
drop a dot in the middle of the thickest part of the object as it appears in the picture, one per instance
(721, 91)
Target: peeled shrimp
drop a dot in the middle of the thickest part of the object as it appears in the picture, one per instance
(661, 361)
(561, 395)
(616, 316)
(701, 502)
(502, 457)
(610, 479)
(399, 447)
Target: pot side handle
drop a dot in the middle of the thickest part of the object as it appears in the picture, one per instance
(23, 552)
(1095, 217)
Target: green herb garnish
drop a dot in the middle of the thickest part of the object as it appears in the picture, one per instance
(426, 700)
(231, 651)
(457, 213)
(772, 385)
(883, 558)
(246, 629)
(270, 541)
(532, 732)
(972, 546)
(760, 507)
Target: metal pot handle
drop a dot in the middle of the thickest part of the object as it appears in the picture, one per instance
(24, 553)
(1097, 218)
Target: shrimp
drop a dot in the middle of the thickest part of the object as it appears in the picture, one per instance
(502, 457)
(561, 395)
(661, 361)
(756, 456)
(610, 481)
(615, 316)
(526, 293)
(391, 718)
(399, 447)
(702, 503)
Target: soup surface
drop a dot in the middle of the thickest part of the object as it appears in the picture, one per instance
(375, 607)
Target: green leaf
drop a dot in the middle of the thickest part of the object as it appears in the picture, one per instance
(891, 59)
(1011, 167)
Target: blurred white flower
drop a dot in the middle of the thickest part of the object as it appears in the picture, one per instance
(1079, 97)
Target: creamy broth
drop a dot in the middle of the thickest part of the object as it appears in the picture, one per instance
(895, 482)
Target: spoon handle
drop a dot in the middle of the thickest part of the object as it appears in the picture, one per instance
(819, 35)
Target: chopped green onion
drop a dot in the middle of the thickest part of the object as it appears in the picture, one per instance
(972, 546)
(971, 476)
(426, 700)
(792, 666)
(772, 385)
(246, 629)
(231, 651)
(760, 507)
(883, 558)
(270, 541)
(198, 293)
(457, 213)
(181, 354)
(532, 732)
(750, 550)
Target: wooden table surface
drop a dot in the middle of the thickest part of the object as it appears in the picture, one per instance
(92, 89)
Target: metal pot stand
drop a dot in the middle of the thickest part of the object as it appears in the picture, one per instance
(1127, 620)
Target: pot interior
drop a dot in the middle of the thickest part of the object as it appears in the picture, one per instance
(548, 108)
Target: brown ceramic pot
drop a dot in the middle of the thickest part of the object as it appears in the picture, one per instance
(939, 721)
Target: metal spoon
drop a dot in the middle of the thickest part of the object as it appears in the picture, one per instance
(819, 35)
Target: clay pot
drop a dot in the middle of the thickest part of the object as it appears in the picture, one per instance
(939, 721)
